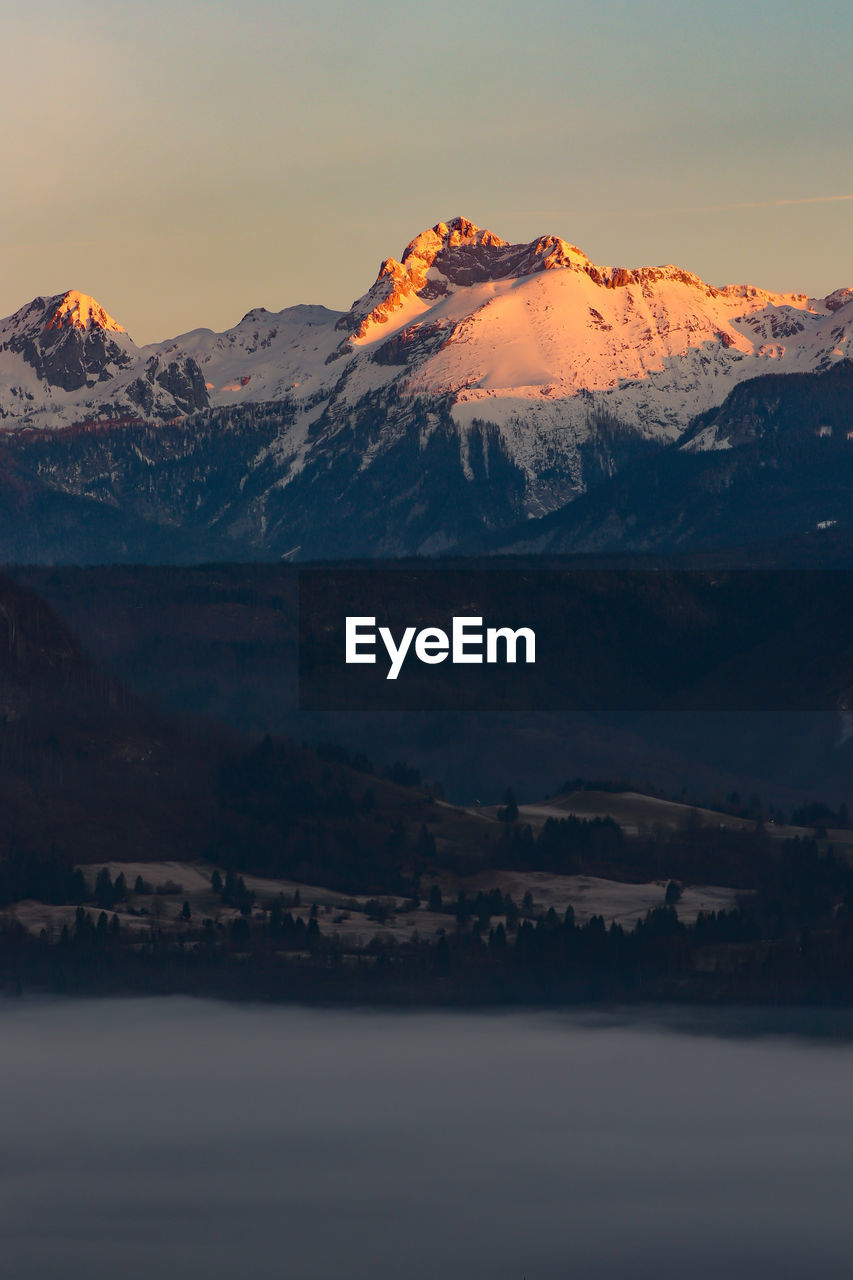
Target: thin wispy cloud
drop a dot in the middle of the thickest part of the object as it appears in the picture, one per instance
(656, 210)
(770, 204)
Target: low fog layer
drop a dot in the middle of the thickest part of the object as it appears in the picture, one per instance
(181, 1137)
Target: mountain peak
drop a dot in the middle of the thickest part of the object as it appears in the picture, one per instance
(449, 235)
(68, 339)
(73, 309)
(47, 318)
(454, 255)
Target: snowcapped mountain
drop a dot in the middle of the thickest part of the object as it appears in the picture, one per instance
(64, 360)
(476, 382)
(534, 338)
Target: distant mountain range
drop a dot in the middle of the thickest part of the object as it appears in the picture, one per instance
(477, 387)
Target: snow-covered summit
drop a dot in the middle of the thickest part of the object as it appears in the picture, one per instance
(81, 311)
(267, 355)
(65, 360)
(62, 311)
(450, 256)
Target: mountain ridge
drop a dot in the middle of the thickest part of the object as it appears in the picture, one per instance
(416, 294)
(513, 377)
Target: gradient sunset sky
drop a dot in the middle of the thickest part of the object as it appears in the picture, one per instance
(184, 162)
